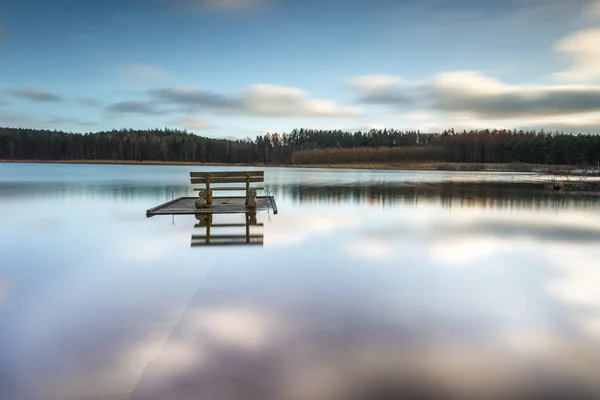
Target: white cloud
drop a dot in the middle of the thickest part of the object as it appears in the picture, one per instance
(473, 100)
(418, 117)
(373, 125)
(192, 123)
(578, 123)
(422, 121)
(327, 127)
(257, 100)
(272, 100)
(371, 83)
(473, 93)
(472, 82)
(583, 48)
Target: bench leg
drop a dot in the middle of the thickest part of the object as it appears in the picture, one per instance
(251, 199)
(247, 189)
(208, 191)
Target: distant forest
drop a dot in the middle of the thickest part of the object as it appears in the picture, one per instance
(304, 146)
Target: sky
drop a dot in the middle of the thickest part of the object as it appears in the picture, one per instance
(240, 68)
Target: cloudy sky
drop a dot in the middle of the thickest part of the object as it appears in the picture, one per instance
(237, 68)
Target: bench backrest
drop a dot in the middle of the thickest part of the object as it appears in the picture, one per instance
(227, 177)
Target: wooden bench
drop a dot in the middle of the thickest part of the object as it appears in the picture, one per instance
(210, 179)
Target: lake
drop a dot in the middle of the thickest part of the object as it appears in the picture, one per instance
(368, 285)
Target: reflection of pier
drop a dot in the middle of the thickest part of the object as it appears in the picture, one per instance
(209, 238)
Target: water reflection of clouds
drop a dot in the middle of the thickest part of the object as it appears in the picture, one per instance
(475, 233)
(566, 249)
(310, 316)
(208, 351)
(471, 250)
(576, 283)
(294, 228)
(80, 309)
(198, 342)
(579, 278)
(479, 350)
(571, 251)
(371, 249)
(191, 345)
(151, 244)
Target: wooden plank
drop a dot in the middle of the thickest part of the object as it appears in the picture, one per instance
(220, 174)
(232, 179)
(150, 211)
(217, 237)
(207, 210)
(225, 238)
(230, 188)
(228, 225)
(199, 244)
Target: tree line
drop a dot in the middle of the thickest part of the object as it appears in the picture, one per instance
(304, 146)
(369, 155)
(125, 144)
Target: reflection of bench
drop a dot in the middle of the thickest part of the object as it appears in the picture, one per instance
(212, 239)
(210, 179)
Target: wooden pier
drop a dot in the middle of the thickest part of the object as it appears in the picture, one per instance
(220, 180)
(221, 205)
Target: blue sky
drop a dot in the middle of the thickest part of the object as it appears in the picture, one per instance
(238, 68)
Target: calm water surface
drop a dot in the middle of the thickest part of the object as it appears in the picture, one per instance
(369, 285)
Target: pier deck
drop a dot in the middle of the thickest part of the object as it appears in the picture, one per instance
(221, 205)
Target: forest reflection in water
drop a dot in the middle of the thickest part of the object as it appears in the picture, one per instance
(448, 194)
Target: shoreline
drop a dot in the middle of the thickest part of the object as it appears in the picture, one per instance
(428, 166)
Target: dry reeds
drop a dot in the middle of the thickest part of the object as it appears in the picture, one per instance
(369, 155)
